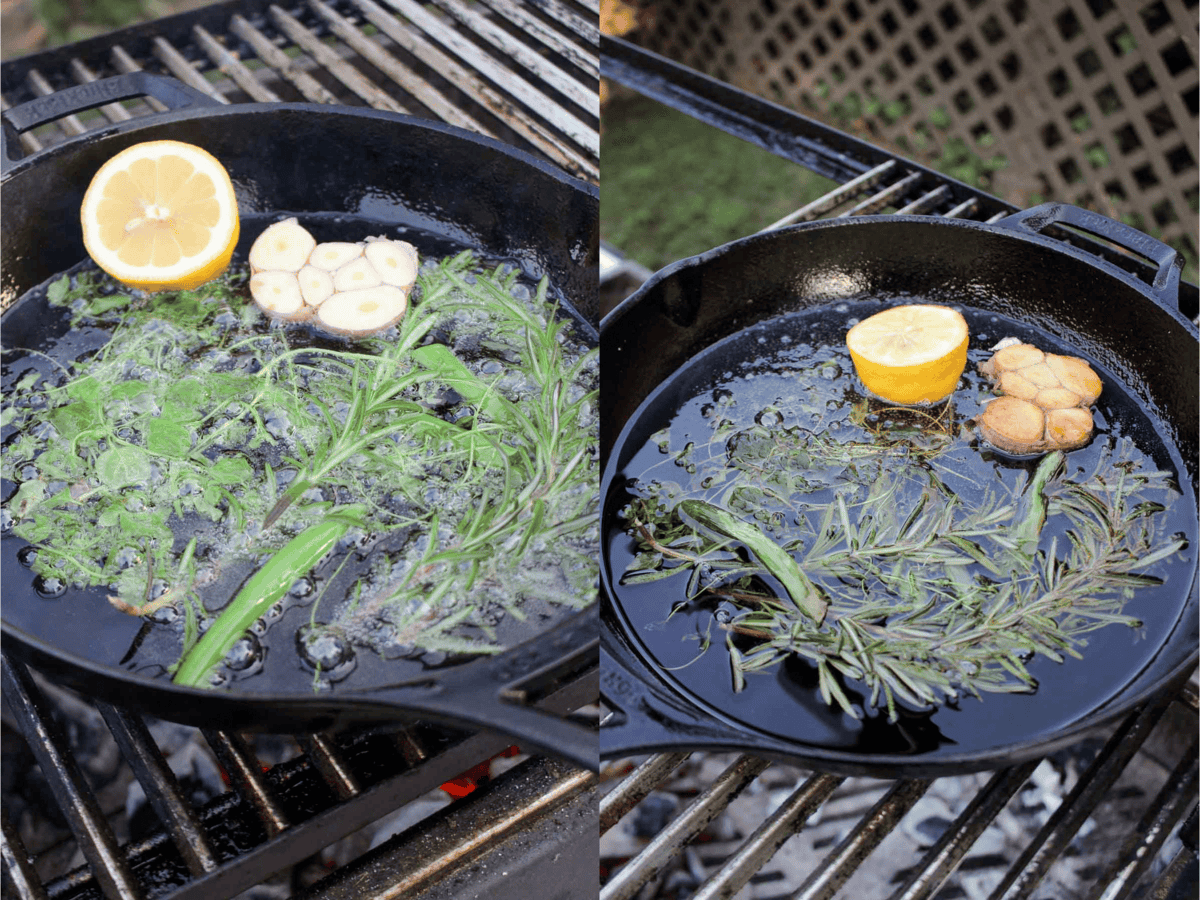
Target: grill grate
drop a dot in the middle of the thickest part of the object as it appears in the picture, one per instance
(273, 818)
(826, 835)
(525, 74)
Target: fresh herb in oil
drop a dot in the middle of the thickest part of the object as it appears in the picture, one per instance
(195, 435)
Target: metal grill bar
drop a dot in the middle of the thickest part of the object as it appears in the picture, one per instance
(114, 112)
(162, 790)
(1160, 819)
(29, 142)
(309, 87)
(409, 864)
(886, 197)
(178, 66)
(943, 858)
(1049, 843)
(769, 837)
(563, 121)
(125, 63)
(534, 72)
(874, 827)
(239, 763)
(585, 28)
(335, 65)
(589, 63)
(927, 202)
(634, 788)
(829, 201)
(395, 70)
(41, 87)
(581, 95)
(323, 754)
(75, 798)
(18, 870)
(230, 65)
(482, 93)
(683, 829)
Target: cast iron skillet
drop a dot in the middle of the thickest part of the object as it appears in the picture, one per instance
(373, 173)
(1134, 330)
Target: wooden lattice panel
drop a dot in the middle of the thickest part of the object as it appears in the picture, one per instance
(1092, 102)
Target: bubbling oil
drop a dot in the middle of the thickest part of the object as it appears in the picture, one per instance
(791, 379)
(314, 637)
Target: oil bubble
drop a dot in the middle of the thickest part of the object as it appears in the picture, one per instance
(245, 653)
(301, 589)
(27, 556)
(49, 587)
(323, 649)
(769, 417)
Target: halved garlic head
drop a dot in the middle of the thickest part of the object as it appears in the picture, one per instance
(351, 289)
(1044, 404)
(396, 261)
(362, 311)
(283, 247)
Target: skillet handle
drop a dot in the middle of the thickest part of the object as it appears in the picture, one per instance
(491, 693)
(171, 93)
(1165, 285)
(649, 721)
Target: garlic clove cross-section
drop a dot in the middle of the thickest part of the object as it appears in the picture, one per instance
(395, 261)
(332, 255)
(283, 247)
(355, 275)
(279, 294)
(352, 289)
(364, 311)
(316, 285)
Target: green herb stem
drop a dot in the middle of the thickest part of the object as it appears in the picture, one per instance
(265, 588)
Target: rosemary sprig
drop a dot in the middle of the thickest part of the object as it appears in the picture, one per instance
(927, 597)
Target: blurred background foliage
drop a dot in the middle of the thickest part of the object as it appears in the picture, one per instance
(29, 25)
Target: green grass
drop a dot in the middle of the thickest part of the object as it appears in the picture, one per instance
(673, 187)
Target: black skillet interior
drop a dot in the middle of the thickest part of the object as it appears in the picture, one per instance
(346, 174)
(1130, 330)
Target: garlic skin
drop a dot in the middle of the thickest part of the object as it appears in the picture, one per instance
(350, 289)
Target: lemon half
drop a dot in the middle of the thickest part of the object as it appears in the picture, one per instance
(911, 354)
(161, 215)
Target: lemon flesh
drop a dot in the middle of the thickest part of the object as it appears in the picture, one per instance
(161, 215)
